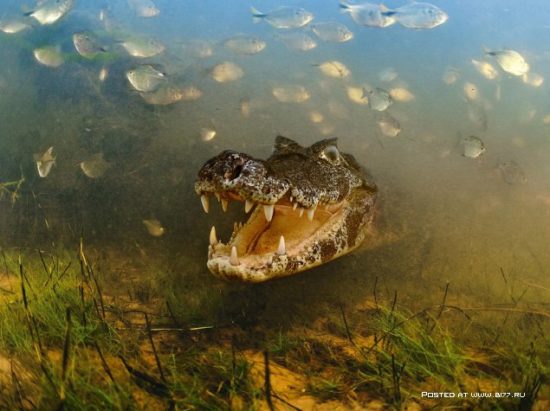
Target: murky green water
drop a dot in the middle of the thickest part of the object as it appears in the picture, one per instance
(441, 217)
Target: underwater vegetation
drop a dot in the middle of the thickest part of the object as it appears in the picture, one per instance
(70, 340)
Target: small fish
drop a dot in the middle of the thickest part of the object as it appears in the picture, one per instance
(511, 172)
(103, 74)
(316, 117)
(510, 61)
(389, 126)
(87, 44)
(207, 134)
(471, 92)
(332, 32)
(44, 162)
(50, 11)
(416, 15)
(143, 47)
(163, 96)
(368, 14)
(144, 8)
(388, 75)
(50, 56)
(477, 115)
(226, 72)
(245, 107)
(379, 99)
(291, 94)
(485, 69)
(451, 75)
(243, 44)
(284, 17)
(198, 48)
(95, 166)
(334, 68)
(14, 26)
(401, 94)
(190, 93)
(473, 147)
(296, 41)
(357, 95)
(145, 78)
(154, 227)
(532, 79)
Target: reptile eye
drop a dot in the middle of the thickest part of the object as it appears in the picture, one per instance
(331, 154)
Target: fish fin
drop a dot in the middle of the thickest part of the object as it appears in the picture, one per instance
(257, 15)
(487, 51)
(344, 6)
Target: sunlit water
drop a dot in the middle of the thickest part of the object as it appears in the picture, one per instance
(441, 218)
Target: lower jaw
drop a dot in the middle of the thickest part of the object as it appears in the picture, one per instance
(329, 242)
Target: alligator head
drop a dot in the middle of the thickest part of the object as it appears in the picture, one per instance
(309, 205)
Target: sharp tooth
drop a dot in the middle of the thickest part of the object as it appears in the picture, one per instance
(224, 204)
(282, 248)
(294, 206)
(268, 212)
(310, 213)
(204, 201)
(217, 196)
(234, 259)
(213, 238)
(300, 212)
(248, 205)
(291, 199)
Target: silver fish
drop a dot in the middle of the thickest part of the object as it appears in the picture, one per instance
(198, 48)
(144, 8)
(95, 166)
(296, 41)
(14, 26)
(50, 11)
(50, 56)
(145, 78)
(226, 72)
(244, 44)
(87, 44)
(284, 17)
(332, 32)
(389, 126)
(473, 147)
(143, 47)
(291, 94)
(511, 172)
(44, 162)
(163, 96)
(388, 75)
(379, 99)
(418, 15)
(510, 61)
(154, 227)
(368, 14)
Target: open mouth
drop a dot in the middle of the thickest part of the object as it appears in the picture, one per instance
(274, 233)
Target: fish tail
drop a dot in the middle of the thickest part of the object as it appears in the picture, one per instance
(257, 15)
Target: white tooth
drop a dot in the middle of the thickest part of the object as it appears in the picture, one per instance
(217, 196)
(268, 211)
(204, 201)
(310, 213)
(234, 259)
(213, 238)
(294, 206)
(224, 204)
(270, 260)
(282, 248)
(248, 205)
(300, 212)
(291, 199)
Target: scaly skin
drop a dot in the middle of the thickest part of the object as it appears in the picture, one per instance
(319, 180)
